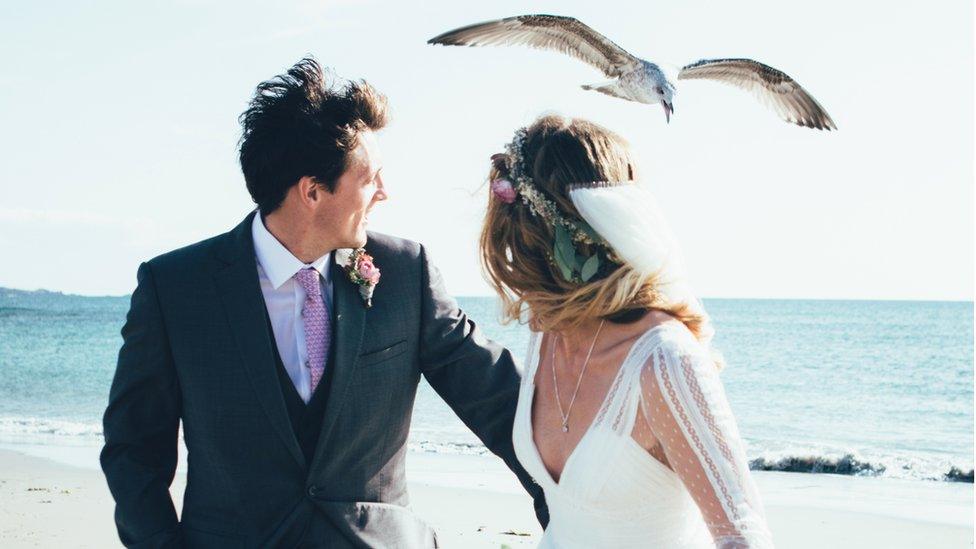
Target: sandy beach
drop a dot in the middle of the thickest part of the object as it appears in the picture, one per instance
(474, 502)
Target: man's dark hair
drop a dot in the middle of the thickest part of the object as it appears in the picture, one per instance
(302, 124)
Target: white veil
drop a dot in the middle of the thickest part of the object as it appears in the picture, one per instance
(628, 217)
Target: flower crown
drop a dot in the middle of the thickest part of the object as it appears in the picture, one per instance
(574, 266)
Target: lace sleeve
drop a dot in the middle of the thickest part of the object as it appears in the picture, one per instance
(685, 406)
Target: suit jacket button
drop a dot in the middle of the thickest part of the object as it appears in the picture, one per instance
(311, 491)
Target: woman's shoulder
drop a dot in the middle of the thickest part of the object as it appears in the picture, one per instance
(661, 326)
(666, 334)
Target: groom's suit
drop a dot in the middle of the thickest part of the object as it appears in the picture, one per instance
(264, 468)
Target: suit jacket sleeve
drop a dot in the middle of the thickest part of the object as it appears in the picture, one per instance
(476, 377)
(141, 426)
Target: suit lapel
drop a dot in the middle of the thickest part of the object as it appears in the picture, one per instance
(240, 294)
(350, 321)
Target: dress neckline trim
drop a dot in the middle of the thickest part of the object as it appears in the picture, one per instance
(534, 367)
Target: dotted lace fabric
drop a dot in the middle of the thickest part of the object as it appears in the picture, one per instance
(688, 421)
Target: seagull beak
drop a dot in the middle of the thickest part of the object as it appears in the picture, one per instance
(668, 109)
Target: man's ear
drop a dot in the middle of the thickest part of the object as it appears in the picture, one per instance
(309, 190)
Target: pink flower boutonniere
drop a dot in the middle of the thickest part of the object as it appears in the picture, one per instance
(363, 273)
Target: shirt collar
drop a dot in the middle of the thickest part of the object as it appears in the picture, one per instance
(278, 263)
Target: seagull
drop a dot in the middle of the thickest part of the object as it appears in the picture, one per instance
(635, 79)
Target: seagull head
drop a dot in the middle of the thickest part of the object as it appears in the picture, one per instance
(664, 93)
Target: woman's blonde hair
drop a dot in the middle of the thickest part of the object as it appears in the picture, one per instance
(517, 246)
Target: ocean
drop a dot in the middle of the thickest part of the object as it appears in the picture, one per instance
(875, 388)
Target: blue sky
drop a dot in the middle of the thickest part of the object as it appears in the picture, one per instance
(120, 133)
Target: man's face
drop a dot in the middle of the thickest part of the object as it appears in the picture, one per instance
(343, 215)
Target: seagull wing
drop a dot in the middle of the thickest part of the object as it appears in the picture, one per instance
(772, 87)
(551, 32)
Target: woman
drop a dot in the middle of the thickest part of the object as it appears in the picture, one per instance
(621, 418)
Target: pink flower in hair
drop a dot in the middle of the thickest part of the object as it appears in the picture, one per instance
(504, 190)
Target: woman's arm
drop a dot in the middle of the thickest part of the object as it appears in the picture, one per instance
(685, 406)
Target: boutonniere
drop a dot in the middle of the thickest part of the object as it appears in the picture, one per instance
(363, 273)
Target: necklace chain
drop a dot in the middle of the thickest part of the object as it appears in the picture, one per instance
(579, 381)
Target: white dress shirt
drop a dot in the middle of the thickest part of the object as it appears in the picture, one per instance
(284, 298)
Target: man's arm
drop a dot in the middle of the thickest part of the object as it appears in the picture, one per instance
(476, 377)
(141, 426)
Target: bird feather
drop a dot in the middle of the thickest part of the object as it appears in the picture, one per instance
(566, 35)
(772, 87)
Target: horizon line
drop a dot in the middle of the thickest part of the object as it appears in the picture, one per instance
(895, 299)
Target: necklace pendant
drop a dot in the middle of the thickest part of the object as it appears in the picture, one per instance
(565, 427)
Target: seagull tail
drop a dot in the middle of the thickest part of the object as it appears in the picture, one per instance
(610, 88)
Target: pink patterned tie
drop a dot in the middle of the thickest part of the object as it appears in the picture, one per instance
(316, 319)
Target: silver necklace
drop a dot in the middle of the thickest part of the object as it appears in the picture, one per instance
(555, 386)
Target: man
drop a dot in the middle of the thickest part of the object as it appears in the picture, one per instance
(292, 364)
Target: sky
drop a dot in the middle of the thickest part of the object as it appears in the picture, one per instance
(120, 131)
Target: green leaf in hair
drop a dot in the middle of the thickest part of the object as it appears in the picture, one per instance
(590, 268)
(565, 253)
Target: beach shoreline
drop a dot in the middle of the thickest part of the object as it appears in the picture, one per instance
(47, 502)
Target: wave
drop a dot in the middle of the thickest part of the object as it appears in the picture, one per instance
(452, 448)
(59, 431)
(958, 475)
(848, 464)
(855, 465)
(852, 464)
(49, 427)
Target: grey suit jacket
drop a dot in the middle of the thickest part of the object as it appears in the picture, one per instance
(197, 348)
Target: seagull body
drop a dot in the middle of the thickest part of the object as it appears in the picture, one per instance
(636, 79)
(638, 85)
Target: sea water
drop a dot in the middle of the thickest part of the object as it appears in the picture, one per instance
(881, 388)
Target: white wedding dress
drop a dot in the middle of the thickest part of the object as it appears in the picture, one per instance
(614, 494)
